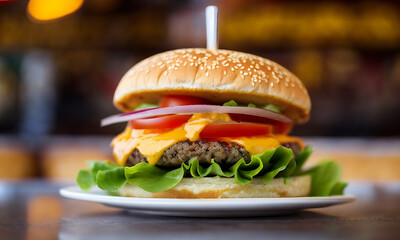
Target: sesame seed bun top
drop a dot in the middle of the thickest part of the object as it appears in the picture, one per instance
(217, 75)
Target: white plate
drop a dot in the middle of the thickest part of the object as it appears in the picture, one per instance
(226, 207)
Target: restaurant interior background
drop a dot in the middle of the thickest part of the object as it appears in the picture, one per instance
(58, 74)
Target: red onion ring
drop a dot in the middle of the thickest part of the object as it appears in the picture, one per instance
(192, 109)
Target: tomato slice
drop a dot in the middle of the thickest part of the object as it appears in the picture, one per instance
(216, 130)
(171, 121)
(277, 127)
(178, 100)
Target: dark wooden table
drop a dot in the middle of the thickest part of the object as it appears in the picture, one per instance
(34, 210)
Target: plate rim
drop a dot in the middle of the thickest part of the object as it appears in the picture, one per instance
(222, 204)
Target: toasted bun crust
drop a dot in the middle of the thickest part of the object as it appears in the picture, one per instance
(218, 75)
(217, 187)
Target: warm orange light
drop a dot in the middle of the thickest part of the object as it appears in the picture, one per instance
(45, 10)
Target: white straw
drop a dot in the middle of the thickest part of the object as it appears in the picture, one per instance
(212, 27)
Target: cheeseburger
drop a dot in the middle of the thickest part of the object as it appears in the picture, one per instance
(210, 124)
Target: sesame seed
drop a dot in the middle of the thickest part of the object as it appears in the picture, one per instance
(258, 69)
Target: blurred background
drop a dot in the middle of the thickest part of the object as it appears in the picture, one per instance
(60, 62)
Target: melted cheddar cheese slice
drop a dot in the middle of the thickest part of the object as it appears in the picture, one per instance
(152, 144)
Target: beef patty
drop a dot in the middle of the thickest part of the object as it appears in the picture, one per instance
(223, 153)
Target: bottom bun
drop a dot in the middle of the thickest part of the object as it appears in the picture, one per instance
(218, 187)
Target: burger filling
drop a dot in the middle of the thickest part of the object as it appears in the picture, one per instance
(168, 141)
(204, 136)
(223, 153)
(156, 153)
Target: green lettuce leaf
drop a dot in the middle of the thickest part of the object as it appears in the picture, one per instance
(301, 157)
(107, 176)
(231, 103)
(326, 179)
(85, 179)
(338, 188)
(273, 108)
(278, 162)
(112, 179)
(99, 166)
(287, 180)
(152, 178)
(198, 171)
(271, 164)
(146, 106)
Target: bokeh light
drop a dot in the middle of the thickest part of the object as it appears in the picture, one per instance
(46, 10)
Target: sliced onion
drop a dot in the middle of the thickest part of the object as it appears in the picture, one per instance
(192, 109)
